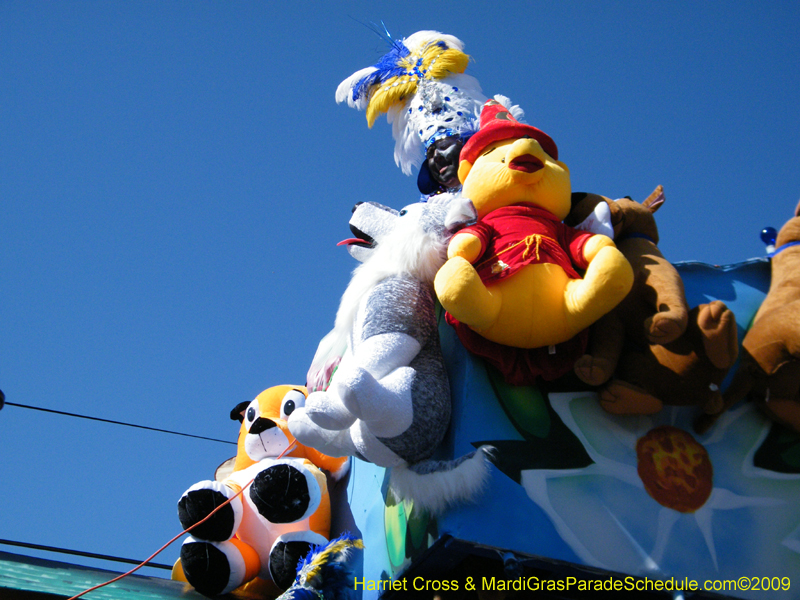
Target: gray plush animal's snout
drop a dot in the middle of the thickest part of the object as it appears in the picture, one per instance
(260, 425)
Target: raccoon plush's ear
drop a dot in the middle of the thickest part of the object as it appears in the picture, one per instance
(460, 213)
(237, 413)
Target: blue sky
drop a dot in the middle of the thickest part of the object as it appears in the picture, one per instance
(174, 177)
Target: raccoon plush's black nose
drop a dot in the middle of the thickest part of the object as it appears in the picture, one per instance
(260, 425)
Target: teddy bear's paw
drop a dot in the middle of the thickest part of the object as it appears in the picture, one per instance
(212, 569)
(283, 494)
(622, 398)
(665, 327)
(593, 370)
(718, 327)
(199, 501)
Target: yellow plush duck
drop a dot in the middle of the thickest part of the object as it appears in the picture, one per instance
(512, 277)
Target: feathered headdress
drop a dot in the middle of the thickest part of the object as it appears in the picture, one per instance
(421, 86)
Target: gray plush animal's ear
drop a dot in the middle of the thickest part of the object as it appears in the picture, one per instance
(460, 213)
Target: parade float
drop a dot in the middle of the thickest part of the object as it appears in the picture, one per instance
(537, 407)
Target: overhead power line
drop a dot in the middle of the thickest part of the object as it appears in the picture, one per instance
(129, 561)
(68, 414)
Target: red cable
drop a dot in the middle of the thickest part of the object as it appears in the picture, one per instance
(164, 547)
(185, 531)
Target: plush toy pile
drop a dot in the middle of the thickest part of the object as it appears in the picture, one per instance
(541, 283)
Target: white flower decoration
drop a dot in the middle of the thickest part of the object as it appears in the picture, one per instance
(747, 526)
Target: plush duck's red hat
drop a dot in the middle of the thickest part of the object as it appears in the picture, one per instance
(497, 125)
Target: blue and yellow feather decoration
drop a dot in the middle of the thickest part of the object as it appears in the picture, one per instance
(423, 55)
(326, 573)
(421, 86)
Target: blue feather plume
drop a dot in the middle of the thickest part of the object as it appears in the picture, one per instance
(387, 67)
(325, 573)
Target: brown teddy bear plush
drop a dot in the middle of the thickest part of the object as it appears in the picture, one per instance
(652, 350)
(769, 372)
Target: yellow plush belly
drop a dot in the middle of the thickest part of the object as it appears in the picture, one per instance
(533, 310)
(537, 306)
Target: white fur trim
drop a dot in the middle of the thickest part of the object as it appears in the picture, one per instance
(461, 212)
(438, 490)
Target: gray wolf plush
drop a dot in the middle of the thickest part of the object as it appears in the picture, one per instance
(388, 401)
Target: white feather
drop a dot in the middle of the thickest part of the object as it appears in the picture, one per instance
(345, 90)
(417, 41)
(515, 110)
(409, 149)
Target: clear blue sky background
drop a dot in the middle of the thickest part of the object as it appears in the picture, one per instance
(174, 177)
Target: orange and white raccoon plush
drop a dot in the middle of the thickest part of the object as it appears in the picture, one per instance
(513, 277)
(283, 511)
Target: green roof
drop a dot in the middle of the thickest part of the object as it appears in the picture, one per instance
(64, 580)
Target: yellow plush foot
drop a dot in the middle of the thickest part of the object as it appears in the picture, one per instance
(607, 281)
(462, 293)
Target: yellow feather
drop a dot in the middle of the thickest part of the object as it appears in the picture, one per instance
(389, 94)
(322, 558)
(448, 62)
(436, 62)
